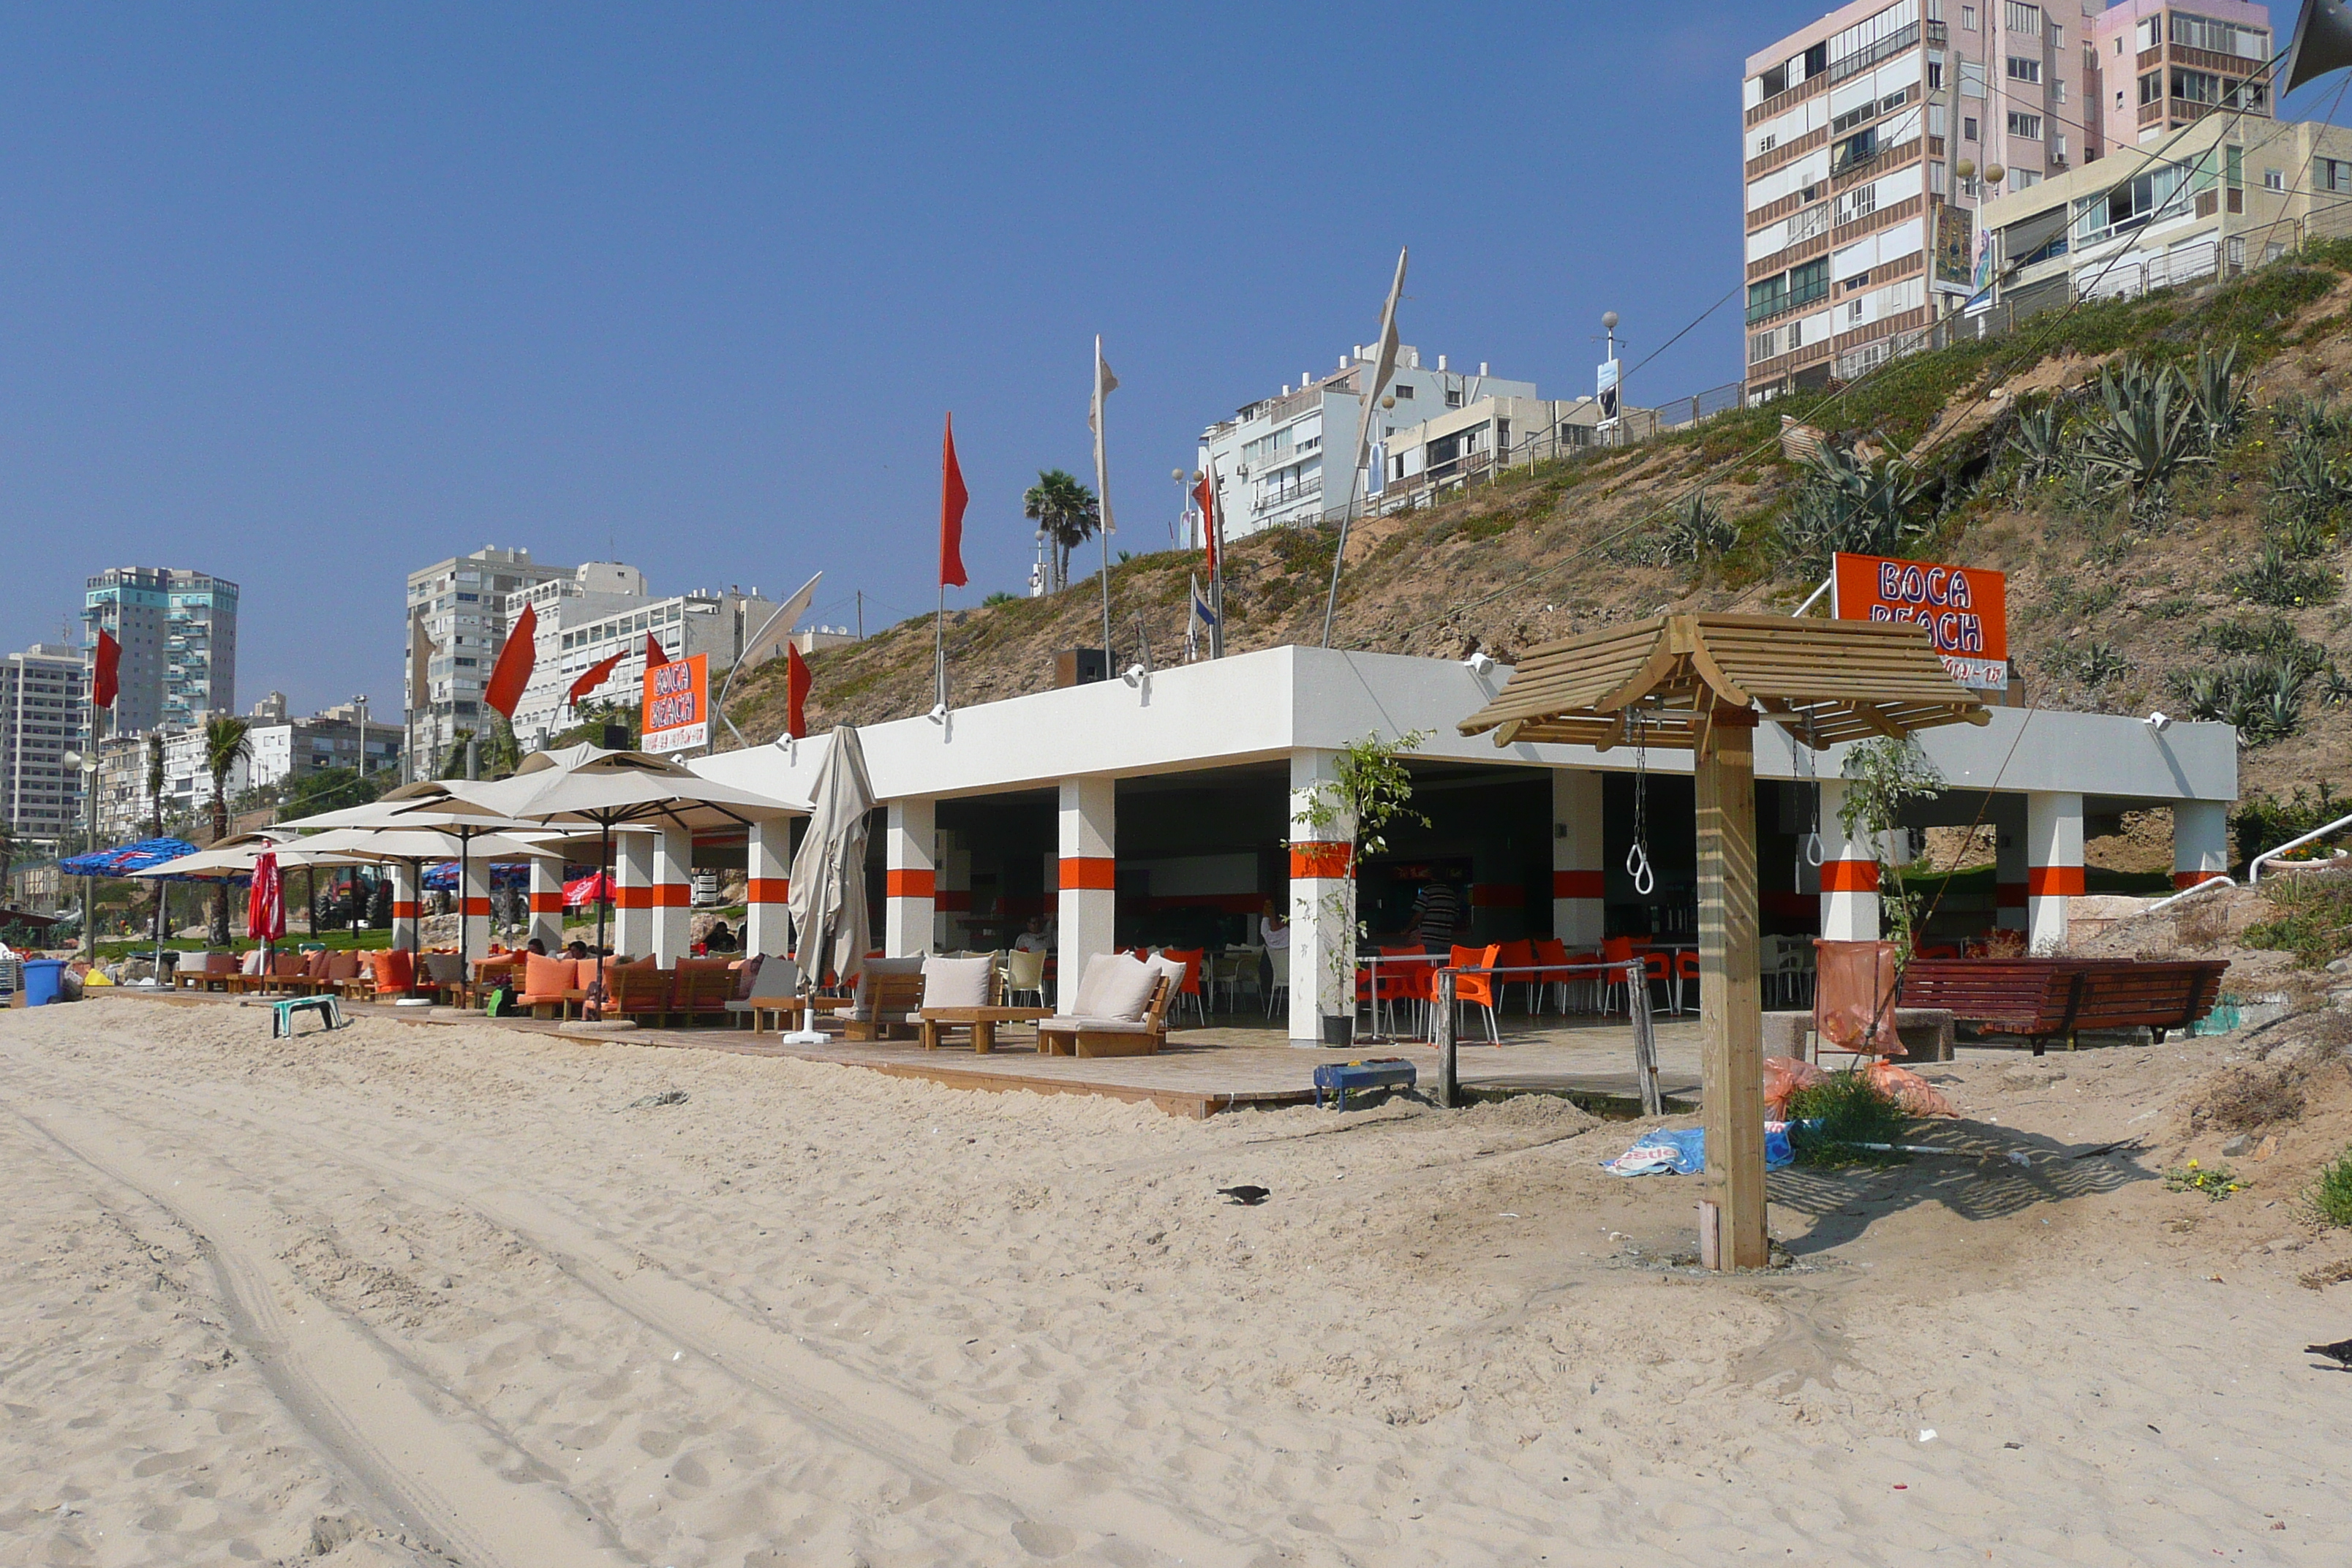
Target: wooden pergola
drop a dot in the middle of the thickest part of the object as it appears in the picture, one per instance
(1702, 684)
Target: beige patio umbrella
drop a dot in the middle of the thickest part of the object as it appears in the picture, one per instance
(587, 787)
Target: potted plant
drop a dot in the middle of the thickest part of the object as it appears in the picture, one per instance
(1372, 789)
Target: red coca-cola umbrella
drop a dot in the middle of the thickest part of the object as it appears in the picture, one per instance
(596, 888)
(265, 902)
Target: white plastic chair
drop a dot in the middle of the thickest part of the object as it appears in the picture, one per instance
(1024, 975)
(1280, 958)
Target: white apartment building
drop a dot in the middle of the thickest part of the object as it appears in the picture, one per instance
(44, 715)
(1869, 140)
(1462, 441)
(606, 609)
(2226, 194)
(177, 629)
(1270, 458)
(459, 606)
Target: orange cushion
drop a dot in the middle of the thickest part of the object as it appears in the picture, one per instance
(548, 978)
(395, 968)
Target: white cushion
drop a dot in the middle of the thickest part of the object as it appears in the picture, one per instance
(1124, 990)
(1172, 967)
(1090, 984)
(1073, 1025)
(957, 982)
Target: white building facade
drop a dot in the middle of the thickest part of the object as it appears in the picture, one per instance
(1282, 460)
(604, 609)
(44, 715)
(459, 606)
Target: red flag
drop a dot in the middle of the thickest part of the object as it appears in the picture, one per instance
(952, 498)
(796, 690)
(1205, 493)
(594, 677)
(654, 656)
(106, 679)
(516, 662)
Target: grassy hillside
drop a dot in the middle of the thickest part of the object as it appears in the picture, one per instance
(2211, 589)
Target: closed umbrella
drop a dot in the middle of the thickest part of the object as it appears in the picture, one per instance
(828, 896)
(265, 904)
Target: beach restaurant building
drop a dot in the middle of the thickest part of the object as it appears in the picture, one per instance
(1164, 808)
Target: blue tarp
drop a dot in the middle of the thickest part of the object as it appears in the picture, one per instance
(443, 877)
(1683, 1152)
(125, 858)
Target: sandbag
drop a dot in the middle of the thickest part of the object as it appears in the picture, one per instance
(1914, 1094)
(1784, 1077)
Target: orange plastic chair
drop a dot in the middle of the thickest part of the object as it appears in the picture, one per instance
(1412, 980)
(1552, 953)
(1191, 959)
(1474, 981)
(1519, 954)
(1685, 969)
(1660, 969)
(1616, 950)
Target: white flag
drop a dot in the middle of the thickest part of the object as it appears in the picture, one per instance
(1384, 358)
(1105, 384)
(773, 632)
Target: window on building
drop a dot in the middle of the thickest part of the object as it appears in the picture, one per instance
(2220, 37)
(1773, 83)
(1935, 76)
(2149, 34)
(2057, 90)
(2025, 179)
(2025, 127)
(1854, 310)
(2024, 19)
(1855, 150)
(1968, 18)
(1968, 128)
(1403, 392)
(2022, 69)
(2151, 89)
(1859, 202)
(1453, 397)
(1859, 281)
(2058, 148)
(2197, 86)
(2273, 179)
(2331, 174)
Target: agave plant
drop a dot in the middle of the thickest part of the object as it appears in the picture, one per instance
(2262, 698)
(1870, 506)
(2218, 395)
(1695, 530)
(2040, 443)
(2148, 435)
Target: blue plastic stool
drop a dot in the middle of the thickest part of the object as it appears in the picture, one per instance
(282, 1014)
(1339, 1078)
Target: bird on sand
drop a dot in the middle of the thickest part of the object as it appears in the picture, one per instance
(2340, 1353)
(1248, 1198)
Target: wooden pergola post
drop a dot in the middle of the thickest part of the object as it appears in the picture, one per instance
(1730, 1003)
(1703, 683)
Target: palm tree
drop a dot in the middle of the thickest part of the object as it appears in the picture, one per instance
(226, 743)
(1066, 512)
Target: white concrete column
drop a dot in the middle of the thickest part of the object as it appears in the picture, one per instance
(2200, 841)
(546, 902)
(474, 906)
(673, 912)
(1576, 859)
(633, 893)
(1088, 871)
(2009, 866)
(2054, 865)
(407, 907)
(1849, 874)
(1322, 902)
(951, 898)
(767, 927)
(910, 876)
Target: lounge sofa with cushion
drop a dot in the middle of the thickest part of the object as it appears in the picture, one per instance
(1120, 1009)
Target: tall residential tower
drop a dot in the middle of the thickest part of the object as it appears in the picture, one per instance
(178, 632)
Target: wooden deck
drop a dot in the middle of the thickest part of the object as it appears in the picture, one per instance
(1205, 1071)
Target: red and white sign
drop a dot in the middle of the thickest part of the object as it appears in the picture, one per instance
(677, 705)
(1964, 608)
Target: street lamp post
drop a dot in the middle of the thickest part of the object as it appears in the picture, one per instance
(87, 767)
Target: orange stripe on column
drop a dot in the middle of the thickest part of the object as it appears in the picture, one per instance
(2054, 881)
(2192, 878)
(1576, 885)
(477, 906)
(403, 910)
(546, 903)
(1849, 876)
(769, 891)
(672, 895)
(911, 882)
(1089, 873)
(1327, 861)
(627, 898)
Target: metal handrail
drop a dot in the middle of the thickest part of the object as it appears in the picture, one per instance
(2207, 885)
(2254, 867)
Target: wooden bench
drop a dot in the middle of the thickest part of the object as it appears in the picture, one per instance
(2044, 999)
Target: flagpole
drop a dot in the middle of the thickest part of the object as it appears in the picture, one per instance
(939, 645)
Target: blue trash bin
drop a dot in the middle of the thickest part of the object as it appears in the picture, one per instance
(44, 978)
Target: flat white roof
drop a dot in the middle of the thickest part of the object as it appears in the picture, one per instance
(1261, 706)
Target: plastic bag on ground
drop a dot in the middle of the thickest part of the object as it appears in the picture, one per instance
(1783, 1077)
(1854, 998)
(1908, 1089)
(1681, 1151)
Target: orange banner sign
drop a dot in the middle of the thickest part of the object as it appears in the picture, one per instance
(677, 705)
(1964, 608)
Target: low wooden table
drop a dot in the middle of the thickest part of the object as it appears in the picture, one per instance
(980, 1021)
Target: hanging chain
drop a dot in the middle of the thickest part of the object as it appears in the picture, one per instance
(1637, 858)
(1813, 850)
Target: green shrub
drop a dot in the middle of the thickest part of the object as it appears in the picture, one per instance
(1851, 1110)
(2331, 1194)
(2313, 920)
(2277, 579)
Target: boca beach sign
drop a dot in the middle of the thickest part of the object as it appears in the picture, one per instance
(1964, 608)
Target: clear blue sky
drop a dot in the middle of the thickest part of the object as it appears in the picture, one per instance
(312, 296)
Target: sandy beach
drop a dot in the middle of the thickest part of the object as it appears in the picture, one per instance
(409, 1294)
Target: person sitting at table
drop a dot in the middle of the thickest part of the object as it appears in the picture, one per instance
(577, 949)
(719, 939)
(1273, 928)
(1035, 940)
(535, 946)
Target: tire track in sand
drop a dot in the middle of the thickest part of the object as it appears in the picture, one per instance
(870, 1416)
(450, 1481)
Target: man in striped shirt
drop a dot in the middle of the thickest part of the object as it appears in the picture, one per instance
(1436, 912)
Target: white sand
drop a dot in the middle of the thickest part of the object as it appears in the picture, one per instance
(405, 1291)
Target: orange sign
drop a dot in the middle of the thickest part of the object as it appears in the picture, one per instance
(1964, 608)
(677, 705)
